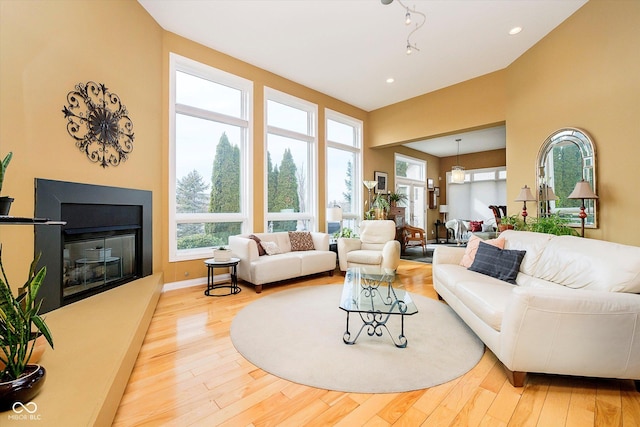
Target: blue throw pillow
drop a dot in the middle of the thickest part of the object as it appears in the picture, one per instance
(499, 263)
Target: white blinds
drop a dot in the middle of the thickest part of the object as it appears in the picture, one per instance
(471, 200)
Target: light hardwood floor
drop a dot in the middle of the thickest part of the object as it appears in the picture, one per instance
(189, 374)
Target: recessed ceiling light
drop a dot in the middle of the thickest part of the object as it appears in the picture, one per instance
(390, 80)
(515, 30)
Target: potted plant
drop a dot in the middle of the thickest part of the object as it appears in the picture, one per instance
(20, 322)
(222, 253)
(551, 224)
(380, 206)
(5, 202)
(345, 232)
(511, 222)
(395, 198)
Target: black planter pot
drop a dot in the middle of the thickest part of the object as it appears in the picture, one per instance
(23, 389)
(5, 205)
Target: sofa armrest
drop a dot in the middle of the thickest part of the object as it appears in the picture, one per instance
(346, 245)
(320, 241)
(247, 250)
(572, 332)
(391, 255)
(448, 255)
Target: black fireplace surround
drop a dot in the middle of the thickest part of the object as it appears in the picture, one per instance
(93, 213)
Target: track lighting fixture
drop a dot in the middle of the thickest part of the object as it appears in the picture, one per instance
(408, 19)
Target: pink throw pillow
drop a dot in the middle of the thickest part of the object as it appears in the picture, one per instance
(472, 248)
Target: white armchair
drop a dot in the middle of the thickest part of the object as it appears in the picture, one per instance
(376, 246)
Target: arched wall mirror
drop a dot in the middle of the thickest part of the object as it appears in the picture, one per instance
(567, 156)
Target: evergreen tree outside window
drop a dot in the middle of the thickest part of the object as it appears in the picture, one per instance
(209, 151)
(343, 168)
(291, 189)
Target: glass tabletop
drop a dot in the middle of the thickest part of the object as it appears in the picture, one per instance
(375, 290)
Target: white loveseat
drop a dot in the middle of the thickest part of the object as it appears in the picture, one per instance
(575, 309)
(288, 264)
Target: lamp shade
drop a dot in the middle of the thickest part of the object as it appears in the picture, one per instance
(549, 194)
(582, 190)
(334, 214)
(525, 195)
(370, 184)
(457, 175)
(444, 209)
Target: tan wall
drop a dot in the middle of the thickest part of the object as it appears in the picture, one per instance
(46, 48)
(583, 74)
(474, 104)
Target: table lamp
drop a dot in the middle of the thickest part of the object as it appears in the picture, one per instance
(334, 214)
(444, 210)
(582, 191)
(524, 197)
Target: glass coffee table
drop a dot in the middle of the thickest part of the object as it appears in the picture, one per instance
(374, 294)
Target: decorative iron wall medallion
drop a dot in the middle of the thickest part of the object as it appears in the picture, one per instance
(100, 124)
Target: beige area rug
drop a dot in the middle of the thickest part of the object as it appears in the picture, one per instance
(297, 334)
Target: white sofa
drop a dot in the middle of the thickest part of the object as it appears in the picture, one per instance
(376, 246)
(289, 264)
(575, 309)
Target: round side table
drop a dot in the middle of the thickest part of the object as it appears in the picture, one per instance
(233, 270)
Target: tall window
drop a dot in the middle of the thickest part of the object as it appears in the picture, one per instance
(410, 177)
(291, 145)
(209, 158)
(344, 167)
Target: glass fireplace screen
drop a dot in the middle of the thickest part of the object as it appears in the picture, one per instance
(93, 263)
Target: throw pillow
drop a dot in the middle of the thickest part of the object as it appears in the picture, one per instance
(475, 226)
(271, 248)
(301, 241)
(260, 248)
(472, 248)
(499, 263)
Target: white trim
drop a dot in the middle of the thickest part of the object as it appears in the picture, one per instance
(200, 281)
(183, 64)
(311, 204)
(356, 148)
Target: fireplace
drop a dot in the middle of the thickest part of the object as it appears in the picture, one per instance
(105, 243)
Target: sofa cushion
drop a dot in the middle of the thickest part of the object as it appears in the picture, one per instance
(533, 243)
(591, 264)
(268, 269)
(313, 261)
(271, 248)
(256, 239)
(472, 248)
(364, 257)
(486, 297)
(301, 241)
(499, 263)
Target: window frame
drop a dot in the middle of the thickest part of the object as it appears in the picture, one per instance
(178, 63)
(356, 148)
(311, 138)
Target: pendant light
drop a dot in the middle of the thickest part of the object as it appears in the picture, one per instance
(457, 172)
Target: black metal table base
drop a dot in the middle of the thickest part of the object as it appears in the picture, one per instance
(233, 286)
(376, 324)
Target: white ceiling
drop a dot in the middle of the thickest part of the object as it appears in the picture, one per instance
(470, 142)
(348, 48)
